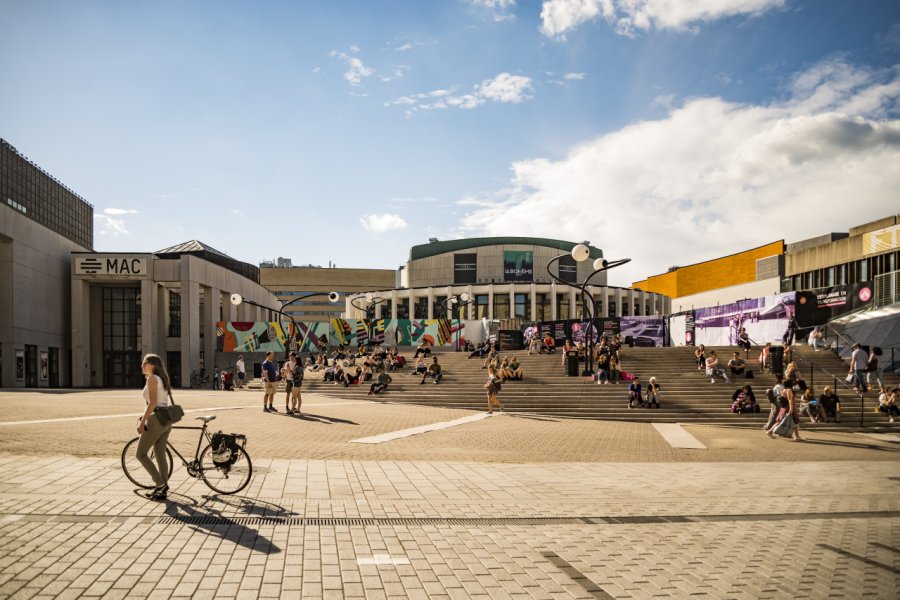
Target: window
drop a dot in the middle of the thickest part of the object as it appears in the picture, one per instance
(438, 307)
(598, 308)
(174, 314)
(523, 307)
(403, 308)
(420, 308)
(637, 309)
(625, 308)
(612, 309)
(501, 306)
(542, 306)
(562, 307)
(481, 306)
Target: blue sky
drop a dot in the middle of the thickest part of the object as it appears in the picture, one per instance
(670, 132)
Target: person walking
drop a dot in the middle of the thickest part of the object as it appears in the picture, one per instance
(873, 368)
(270, 379)
(239, 367)
(493, 388)
(154, 434)
(858, 360)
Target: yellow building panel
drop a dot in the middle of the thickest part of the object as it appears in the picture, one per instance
(710, 275)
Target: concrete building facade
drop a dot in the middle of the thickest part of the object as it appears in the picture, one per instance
(41, 223)
(506, 278)
(168, 303)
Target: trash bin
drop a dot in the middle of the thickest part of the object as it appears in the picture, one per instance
(572, 363)
(776, 359)
(629, 341)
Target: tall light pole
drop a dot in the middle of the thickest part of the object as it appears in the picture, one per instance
(372, 301)
(581, 253)
(456, 303)
(237, 300)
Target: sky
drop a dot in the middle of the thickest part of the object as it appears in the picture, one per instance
(665, 131)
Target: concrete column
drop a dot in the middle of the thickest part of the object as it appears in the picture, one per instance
(533, 291)
(210, 318)
(604, 294)
(7, 338)
(470, 309)
(553, 308)
(81, 336)
(573, 308)
(394, 305)
(512, 300)
(149, 323)
(229, 310)
(410, 299)
(190, 328)
(430, 314)
(490, 314)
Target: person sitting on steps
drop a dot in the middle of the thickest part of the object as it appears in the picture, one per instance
(381, 383)
(434, 371)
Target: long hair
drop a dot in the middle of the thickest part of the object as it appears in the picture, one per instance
(159, 369)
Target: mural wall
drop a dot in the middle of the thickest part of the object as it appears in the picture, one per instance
(262, 336)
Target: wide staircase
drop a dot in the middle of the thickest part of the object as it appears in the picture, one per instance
(687, 394)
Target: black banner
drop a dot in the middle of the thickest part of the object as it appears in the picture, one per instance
(817, 307)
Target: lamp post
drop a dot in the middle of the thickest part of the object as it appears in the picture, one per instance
(456, 303)
(372, 301)
(237, 300)
(581, 253)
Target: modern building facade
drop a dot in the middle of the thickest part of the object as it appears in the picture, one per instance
(41, 223)
(167, 302)
(506, 278)
(291, 283)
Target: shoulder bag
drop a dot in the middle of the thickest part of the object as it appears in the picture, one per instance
(167, 415)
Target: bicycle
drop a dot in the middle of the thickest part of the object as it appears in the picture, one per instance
(201, 379)
(223, 472)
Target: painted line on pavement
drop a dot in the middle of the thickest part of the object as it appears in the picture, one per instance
(402, 433)
(383, 559)
(884, 437)
(677, 437)
(136, 415)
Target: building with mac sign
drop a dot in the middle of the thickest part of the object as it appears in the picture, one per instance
(505, 278)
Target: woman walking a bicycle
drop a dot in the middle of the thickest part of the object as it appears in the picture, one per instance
(155, 435)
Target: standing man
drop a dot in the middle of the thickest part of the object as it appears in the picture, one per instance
(240, 371)
(858, 367)
(270, 377)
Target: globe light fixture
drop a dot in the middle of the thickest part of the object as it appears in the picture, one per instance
(581, 253)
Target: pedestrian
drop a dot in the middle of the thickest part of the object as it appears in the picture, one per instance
(154, 434)
(297, 373)
(287, 371)
(493, 388)
(217, 377)
(240, 372)
(858, 360)
(873, 368)
(270, 382)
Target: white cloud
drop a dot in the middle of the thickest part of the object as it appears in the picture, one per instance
(574, 76)
(499, 9)
(382, 223)
(109, 226)
(715, 177)
(561, 16)
(404, 47)
(119, 211)
(505, 88)
(356, 70)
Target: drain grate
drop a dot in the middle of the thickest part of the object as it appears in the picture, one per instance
(508, 521)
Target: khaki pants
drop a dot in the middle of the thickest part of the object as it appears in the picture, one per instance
(155, 436)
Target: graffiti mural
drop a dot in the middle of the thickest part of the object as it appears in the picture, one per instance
(250, 336)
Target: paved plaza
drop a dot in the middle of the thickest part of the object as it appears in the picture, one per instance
(512, 506)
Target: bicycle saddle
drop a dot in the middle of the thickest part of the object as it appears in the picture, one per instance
(205, 419)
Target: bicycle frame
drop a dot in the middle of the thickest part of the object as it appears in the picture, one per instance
(199, 444)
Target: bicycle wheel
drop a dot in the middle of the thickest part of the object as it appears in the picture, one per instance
(135, 471)
(226, 479)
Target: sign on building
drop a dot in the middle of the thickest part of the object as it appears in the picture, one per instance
(110, 265)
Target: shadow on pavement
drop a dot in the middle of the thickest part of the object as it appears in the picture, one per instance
(221, 526)
(249, 506)
(323, 419)
(809, 441)
(532, 417)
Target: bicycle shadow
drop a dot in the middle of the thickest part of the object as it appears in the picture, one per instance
(313, 418)
(213, 522)
(250, 506)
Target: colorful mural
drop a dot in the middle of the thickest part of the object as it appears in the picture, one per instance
(262, 336)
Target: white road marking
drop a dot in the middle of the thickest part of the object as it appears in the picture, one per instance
(383, 559)
(884, 437)
(402, 433)
(677, 437)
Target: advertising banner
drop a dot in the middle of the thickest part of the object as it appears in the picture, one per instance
(681, 329)
(765, 320)
(817, 307)
(558, 329)
(518, 265)
(646, 331)
(510, 339)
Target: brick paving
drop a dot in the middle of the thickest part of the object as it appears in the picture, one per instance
(465, 512)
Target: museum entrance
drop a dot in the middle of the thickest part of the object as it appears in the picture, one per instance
(122, 337)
